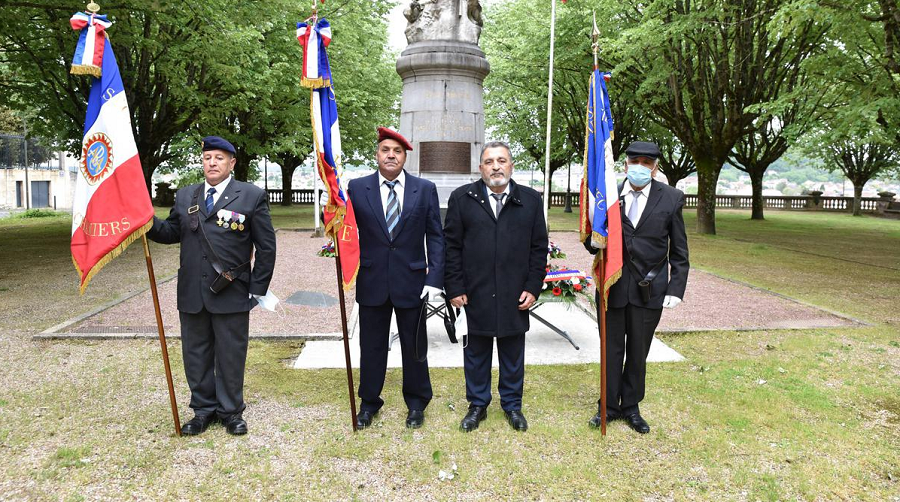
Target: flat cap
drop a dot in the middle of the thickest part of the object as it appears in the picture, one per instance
(216, 143)
(642, 149)
(385, 133)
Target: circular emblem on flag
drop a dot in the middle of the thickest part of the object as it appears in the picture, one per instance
(96, 157)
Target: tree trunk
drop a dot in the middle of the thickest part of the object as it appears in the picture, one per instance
(857, 198)
(756, 182)
(707, 178)
(242, 166)
(287, 174)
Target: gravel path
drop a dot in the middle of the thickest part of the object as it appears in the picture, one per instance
(710, 302)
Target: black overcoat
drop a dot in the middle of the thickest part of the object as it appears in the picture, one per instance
(492, 260)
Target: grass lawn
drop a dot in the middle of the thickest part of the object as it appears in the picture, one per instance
(759, 415)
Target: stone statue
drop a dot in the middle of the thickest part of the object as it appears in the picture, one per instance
(457, 20)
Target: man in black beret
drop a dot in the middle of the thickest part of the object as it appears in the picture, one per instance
(220, 224)
(654, 276)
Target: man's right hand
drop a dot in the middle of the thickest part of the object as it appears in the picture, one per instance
(459, 301)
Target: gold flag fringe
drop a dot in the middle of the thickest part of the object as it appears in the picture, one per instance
(584, 196)
(85, 69)
(607, 284)
(315, 83)
(337, 256)
(111, 255)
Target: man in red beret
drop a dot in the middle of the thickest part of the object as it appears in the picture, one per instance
(401, 258)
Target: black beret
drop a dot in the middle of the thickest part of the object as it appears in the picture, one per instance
(217, 143)
(642, 149)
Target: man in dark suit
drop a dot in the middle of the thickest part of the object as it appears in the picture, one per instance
(655, 251)
(399, 223)
(219, 223)
(496, 263)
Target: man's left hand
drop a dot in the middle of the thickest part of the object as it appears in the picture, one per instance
(526, 300)
(670, 302)
(430, 293)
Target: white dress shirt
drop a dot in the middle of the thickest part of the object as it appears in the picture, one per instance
(385, 191)
(219, 189)
(629, 199)
(493, 201)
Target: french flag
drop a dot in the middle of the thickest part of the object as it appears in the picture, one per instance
(340, 221)
(601, 217)
(111, 206)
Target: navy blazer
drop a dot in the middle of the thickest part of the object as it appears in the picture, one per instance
(397, 269)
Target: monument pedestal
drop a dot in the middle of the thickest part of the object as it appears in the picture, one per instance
(442, 111)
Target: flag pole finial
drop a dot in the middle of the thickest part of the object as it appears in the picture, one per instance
(595, 41)
(93, 7)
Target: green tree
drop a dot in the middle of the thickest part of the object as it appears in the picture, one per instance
(172, 57)
(699, 67)
(516, 42)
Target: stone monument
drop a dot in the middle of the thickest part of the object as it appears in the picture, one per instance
(442, 109)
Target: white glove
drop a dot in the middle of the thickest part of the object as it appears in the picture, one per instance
(670, 302)
(431, 293)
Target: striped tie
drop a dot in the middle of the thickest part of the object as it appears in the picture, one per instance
(209, 199)
(392, 213)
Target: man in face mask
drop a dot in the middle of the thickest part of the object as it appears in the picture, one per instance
(654, 276)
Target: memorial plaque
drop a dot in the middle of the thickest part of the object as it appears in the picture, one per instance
(445, 157)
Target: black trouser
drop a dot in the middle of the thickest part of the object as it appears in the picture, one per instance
(374, 336)
(477, 358)
(214, 348)
(629, 331)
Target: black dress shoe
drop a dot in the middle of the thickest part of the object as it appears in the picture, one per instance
(364, 419)
(235, 425)
(610, 416)
(637, 423)
(474, 417)
(198, 424)
(517, 420)
(415, 419)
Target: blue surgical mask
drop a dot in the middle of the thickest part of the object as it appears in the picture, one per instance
(638, 175)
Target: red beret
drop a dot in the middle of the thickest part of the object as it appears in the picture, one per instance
(385, 133)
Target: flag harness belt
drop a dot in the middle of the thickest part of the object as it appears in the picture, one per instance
(225, 277)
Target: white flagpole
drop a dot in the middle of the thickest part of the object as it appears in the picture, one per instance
(549, 112)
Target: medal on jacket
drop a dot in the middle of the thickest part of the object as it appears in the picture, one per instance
(221, 215)
(233, 219)
(241, 224)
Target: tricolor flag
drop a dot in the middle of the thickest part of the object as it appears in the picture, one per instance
(89, 51)
(601, 219)
(340, 222)
(111, 206)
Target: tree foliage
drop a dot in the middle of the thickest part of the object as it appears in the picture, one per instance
(192, 69)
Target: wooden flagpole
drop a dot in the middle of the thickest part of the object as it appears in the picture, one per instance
(340, 283)
(162, 337)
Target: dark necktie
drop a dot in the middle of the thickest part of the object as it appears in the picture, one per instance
(499, 204)
(392, 213)
(209, 199)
